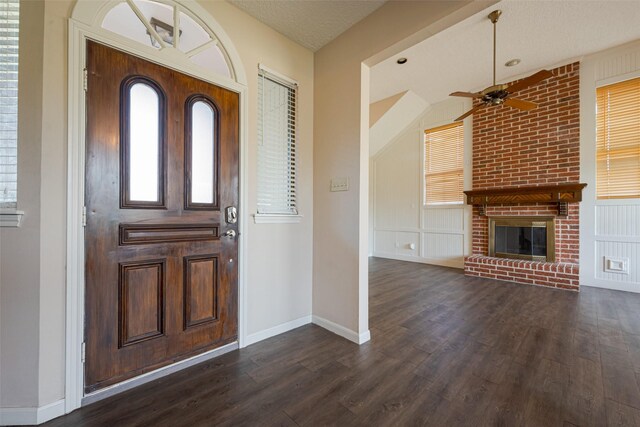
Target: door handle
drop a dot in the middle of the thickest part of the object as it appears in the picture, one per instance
(231, 215)
(230, 233)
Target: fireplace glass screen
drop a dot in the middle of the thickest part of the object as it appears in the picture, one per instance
(529, 238)
(521, 240)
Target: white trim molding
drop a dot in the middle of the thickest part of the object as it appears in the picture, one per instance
(276, 219)
(342, 331)
(277, 330)
(285, 79)
(10, 217)
(31, 416)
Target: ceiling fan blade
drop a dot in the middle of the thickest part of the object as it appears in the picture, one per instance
(466, 94)
(468, 113)
(520, 104)
(528, 81)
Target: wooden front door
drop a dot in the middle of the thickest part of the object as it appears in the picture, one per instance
(161, 189)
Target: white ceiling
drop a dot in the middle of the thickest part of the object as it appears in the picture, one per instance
(541, 33)
(311, 23)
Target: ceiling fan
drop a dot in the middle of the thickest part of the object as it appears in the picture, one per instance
(500, 94)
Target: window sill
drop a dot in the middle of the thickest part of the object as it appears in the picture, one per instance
(442, 205)
(276, 219)
(10, 217)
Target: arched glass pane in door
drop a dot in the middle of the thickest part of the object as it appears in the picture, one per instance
(142, 144)
(201, 153)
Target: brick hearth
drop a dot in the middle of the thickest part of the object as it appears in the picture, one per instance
(512, 149)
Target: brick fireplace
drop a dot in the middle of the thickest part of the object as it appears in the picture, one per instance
(515, 150)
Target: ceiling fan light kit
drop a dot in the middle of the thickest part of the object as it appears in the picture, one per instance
(498, 94)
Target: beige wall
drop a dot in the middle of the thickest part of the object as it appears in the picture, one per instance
(19, 247)
(279, 255)
(32, 268)
(341, 118)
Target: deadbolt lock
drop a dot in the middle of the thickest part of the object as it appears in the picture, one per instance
(231, 215)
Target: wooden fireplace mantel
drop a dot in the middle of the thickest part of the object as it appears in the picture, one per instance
(562, 194)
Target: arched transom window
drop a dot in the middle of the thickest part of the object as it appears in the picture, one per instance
(165, 25)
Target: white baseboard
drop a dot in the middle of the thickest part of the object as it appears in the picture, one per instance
(453, 263)
(277, 330)
(342, 331)
(611, 284)
(31, 416)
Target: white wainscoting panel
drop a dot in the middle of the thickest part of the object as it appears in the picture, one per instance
(384, 242)
(618, 237)
(392, 243)
(407, 243)
(443, 246)
(441, 219)
(617, 64)
(628, 251)
(618, 220)
(609, 229)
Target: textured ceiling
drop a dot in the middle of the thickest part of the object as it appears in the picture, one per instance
(541, 33)
(311, 23)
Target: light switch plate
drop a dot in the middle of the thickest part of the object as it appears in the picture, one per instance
(339, 184)
(616, 265)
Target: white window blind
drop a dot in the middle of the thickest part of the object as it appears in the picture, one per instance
(618, 140)
(276, 145)
(443, 165)
(9, 23)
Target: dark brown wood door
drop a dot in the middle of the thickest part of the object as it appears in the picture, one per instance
(161, 171)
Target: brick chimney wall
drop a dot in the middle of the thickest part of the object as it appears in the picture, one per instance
(513, 148)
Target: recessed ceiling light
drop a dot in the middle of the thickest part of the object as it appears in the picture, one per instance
(512, 62)
(401, 60)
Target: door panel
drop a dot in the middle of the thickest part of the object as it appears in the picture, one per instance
(161, 167)
(140, 301)
(200, 289)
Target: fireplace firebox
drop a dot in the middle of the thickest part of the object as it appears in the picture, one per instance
(527, 238)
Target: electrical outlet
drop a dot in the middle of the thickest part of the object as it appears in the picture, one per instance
(340, 184)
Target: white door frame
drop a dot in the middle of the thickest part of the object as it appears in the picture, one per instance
(84, 24)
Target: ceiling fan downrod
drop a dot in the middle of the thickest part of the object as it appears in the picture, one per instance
(494, 16)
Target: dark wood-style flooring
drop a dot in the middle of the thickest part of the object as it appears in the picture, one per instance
(446, 350)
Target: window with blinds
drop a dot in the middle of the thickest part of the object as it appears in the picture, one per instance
(276, 145)
(443, 163)
(9, 23)
(618, 140)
